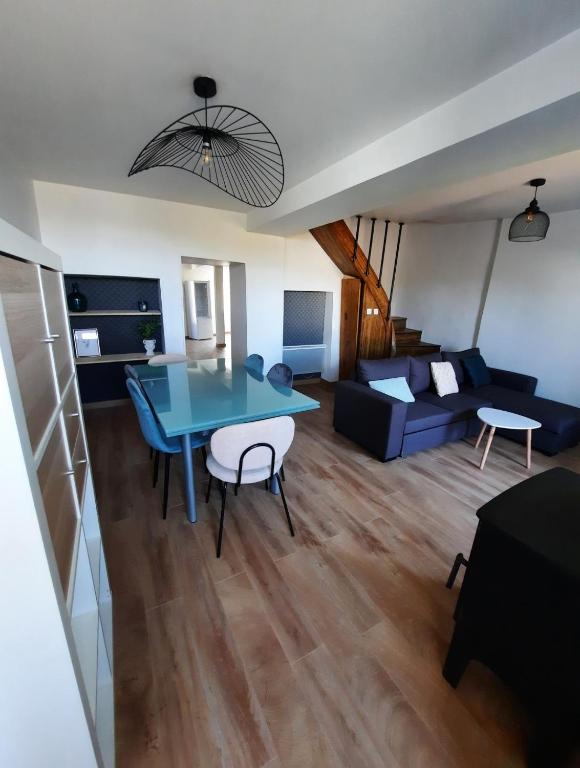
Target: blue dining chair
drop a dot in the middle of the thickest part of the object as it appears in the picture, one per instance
(131, 373)
(281, 374)
(255, 363)
(156, 439)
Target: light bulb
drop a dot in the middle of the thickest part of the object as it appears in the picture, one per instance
(206, 153)
(530, 217)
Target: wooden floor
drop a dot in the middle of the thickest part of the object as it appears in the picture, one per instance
(206, 349)
(322, 650)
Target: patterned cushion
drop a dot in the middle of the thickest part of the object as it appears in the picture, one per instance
(444, 378)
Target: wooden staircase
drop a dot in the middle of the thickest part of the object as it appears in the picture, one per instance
(367, 331)
(408, 340)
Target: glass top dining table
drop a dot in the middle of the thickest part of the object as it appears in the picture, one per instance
(199, 395)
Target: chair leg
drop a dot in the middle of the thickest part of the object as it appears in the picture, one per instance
(282, 475)
(150, 453)
(224, 490)
(457, 563)
(204, 454)
(285, 506)
(166, 484)
(266, 484)
(208, 489)
(156, 469)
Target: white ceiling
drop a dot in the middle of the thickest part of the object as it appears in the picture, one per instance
(85, 84)
(495, 196)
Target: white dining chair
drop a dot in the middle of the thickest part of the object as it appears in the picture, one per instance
(249, 453)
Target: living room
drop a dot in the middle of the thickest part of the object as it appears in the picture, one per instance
(349, 536)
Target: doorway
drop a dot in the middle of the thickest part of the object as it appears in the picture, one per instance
(213, 291)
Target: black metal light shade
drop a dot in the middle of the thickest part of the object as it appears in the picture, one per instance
(225, 145)
(532, 224)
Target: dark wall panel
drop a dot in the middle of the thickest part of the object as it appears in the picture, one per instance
(303, 317)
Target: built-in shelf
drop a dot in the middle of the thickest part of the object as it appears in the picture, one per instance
(114, 313)
(125, 357)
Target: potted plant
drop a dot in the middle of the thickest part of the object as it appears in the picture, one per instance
(146, 330)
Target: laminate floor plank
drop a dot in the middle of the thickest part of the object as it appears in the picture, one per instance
(322, 650)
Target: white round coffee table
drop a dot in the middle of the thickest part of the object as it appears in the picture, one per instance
(496, 419)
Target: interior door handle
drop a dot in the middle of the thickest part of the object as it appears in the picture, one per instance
(68, 472)
(55, 335)
(48, 340)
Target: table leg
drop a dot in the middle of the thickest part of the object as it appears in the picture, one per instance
(481, 434)
(529, 450)
(487, 447)
(188, 478)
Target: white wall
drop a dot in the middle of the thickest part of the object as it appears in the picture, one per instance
(440, 279)
(309, 269)
(17, 202)
(531, 309)
(532, 313)
(99, 232)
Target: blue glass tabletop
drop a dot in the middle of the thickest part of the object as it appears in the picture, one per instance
(205, 394)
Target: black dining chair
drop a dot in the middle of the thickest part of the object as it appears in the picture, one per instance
(281, 374)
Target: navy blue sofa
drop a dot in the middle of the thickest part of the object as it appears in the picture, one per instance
(389, 428)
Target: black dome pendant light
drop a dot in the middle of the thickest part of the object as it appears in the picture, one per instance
(531, 225)
(227, 146)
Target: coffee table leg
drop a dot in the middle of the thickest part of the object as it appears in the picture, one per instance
(487, 447)
(529, 451)
(481, 434)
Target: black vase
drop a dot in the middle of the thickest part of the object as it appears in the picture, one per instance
(77, 301)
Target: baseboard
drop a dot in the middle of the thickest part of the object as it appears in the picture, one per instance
(105, 404)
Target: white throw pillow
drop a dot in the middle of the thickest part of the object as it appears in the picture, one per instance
(444, 379)
(397, 388)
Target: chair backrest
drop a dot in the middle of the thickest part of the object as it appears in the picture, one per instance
(255, 363)
(147, 422)
(281, 374)
(131, 373)
(228, 443)
(168, 359)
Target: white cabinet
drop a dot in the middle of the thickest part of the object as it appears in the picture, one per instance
(51, 501)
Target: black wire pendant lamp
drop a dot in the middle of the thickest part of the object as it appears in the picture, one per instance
(531, 225)
(227, 146)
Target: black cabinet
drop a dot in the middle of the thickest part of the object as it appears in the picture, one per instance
(518, 611)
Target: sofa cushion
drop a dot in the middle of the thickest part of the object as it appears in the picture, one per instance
(444, 378)
(384, 368)
(477, 371)
(420, 371)
(423, 415)
(553, 416)
(397, 388)
(460, 405)
(455, 359)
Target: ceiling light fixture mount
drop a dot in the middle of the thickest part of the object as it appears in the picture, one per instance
(225, 145)
(532, 224)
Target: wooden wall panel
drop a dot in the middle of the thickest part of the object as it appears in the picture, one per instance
(349, 318)
(374, 339)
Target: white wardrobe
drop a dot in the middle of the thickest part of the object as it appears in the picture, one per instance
(56, 638)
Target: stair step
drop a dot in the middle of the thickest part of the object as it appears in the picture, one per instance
(417, 349)
(399, 323)
(408, 335)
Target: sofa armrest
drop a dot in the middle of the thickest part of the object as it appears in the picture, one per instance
(519, 382)
(373, 420)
